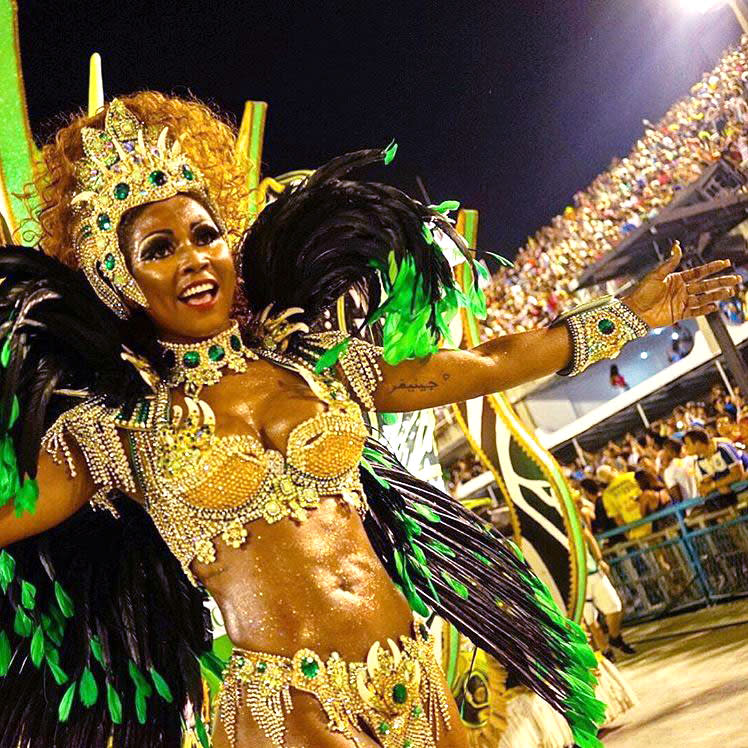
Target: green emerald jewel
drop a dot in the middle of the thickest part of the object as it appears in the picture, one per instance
(109, 262)
(157, 178)
(606, 326)
(235, 342)
(262, 667)
(216, 352)
(383, 728)
(309, 667)
(187, 173)
(416, 711)
(399, 693)
(408, 744)
(104, 222)
(86, 231)
(191, 359)
(121, 191)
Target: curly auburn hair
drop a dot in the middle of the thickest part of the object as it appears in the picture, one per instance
(208, 138)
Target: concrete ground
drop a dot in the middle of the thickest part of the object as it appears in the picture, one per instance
(691, 676)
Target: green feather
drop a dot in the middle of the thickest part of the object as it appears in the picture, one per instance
(7, 570)
(94, 644)
(483, 559)
(66, 703)
(445, 206)
(369, 469)
(114, 704)
(89, 691)
(5, 353)
(37, 646)
(213, 663)
(330, 357)
(52, 629)
(389, 153)
(426, 512)
(141, 707)
(64, 601)
(15, 411)
(26, 497)
(427, 233)
(5, 654)
(418, 554)
(439, 547)
(22, 624)
(458, 587)
(162, 687)
(373, 456)
(28, 595)
(202, 733)
(58, 673)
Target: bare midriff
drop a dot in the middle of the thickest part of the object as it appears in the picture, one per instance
(316, 584)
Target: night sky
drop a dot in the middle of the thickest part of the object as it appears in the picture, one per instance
(507, 107)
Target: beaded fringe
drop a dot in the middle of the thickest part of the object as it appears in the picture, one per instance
(398, 693)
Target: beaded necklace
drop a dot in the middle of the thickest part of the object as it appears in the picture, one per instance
(202, 363)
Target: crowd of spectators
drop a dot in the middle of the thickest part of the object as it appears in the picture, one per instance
(461, 471)
(711, 123)
(700, 450)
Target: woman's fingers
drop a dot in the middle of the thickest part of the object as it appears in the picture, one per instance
(702, 271)
(700, 311)
(710, 297)
(723, 281)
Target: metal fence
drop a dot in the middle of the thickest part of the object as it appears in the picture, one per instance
(699, 558)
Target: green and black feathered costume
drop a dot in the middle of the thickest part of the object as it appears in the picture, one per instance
(100, 632)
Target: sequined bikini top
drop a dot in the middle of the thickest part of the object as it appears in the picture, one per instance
(199, 486)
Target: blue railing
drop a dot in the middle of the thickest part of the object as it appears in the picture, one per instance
(699, 559)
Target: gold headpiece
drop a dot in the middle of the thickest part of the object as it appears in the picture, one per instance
(124, 165)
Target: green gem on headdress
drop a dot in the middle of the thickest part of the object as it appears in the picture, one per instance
(104, 222)
(157, 178)
(187, 173)
(121, 191)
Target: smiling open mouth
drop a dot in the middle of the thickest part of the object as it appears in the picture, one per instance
(199, 294)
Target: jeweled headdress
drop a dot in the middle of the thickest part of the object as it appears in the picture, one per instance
(124, 165)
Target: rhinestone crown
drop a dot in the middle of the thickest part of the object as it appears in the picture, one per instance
(124, 165)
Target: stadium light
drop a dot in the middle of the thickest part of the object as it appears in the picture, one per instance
(739, 8)
(700, 6)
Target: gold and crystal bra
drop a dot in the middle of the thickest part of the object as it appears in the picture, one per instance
(199, 486)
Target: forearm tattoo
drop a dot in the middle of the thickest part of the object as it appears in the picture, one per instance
(418, 386)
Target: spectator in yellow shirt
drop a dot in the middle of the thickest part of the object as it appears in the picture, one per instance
(621, 499)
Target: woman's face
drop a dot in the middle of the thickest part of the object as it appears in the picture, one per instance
(184, 267)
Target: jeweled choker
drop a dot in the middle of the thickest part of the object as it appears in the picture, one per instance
(201, 364)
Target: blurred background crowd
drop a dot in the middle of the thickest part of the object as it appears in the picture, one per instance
(709, 124)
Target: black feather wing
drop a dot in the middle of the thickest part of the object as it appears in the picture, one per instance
(447, 561)
(96, 609)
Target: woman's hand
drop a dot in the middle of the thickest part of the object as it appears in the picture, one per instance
(664, 296)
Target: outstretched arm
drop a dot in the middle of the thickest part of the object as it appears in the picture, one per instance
(60, 496)
(662, 298)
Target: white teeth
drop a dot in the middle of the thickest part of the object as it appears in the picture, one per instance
(195, 290)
